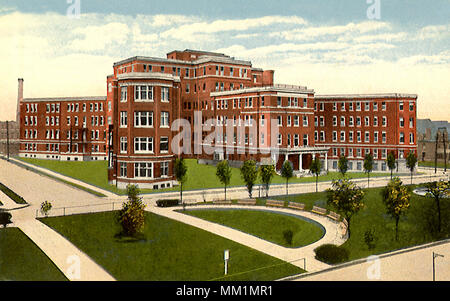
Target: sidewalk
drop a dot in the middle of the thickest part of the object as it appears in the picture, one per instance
(412, 264)
(72, 262)
(287, 254)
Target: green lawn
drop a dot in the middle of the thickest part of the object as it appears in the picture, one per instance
(12, 195)
(22, 260)
(170, 251)
(200, 176)
(266, 225)
(431, 164)
(415, 228)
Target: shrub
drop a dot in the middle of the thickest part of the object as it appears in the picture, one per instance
(369, 238)
(5, 218)
(46, 207)
(331, 254)
(288, 235)
(132, 215)
(167, 203)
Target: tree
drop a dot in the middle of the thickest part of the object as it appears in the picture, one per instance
(438, 190)
(411, 161)
(315, 168)
(266, 172)
(368, 166)
(343, 165)
(131, 217)
(396, 198)
(287, 172)
(390, 162)
(346, 198)
(180, 173)
(249, 173)
(223, 172)
(5, 218)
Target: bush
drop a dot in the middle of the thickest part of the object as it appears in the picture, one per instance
(46, 207)
(369, 238)
(288, 235)
(167, 203)
(331, 254)
(5, 218)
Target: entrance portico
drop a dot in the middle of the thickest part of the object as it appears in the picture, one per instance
(301, 157)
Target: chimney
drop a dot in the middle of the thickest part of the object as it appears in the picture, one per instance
(428, 134)
(19, 99)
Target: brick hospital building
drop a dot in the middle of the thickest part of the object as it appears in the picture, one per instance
(231, 110)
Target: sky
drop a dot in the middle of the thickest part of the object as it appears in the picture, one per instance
(68, 47)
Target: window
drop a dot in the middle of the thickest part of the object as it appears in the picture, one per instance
(358, 106)
(350, 136)
(350, 106)
(289, 118)
(164, 144)
(305, 140)
(296, 141)
(384, 121)
(278, 101)
(402, 137)
(343, 106)
(322, 136)
(143, 144)
(334, 106)
(143, 93)
(400, 106)
(280, 120)
(123, 144)
(143, 170)
(143, 119)
(375, 137)
(351, 121)
(411, 138)
(358, 136)
(164, 119)
(367, 137)
(296, 120)
(280, 139)
(48, 108)
(165, 94)
(358, 121)
(367, 121)
(316, 121)
(342, 136)
(342, 121)
(402, 122)
(123, 94)
(367, 106)
(305, 103)
(375, 121)
(383, 137)
(123, 168)
(411, 106)
(383, 106)
(123, 119)
(322, 121)
(411, 122)
(164, 169)
(334, 136)
(334, 121)
(305, 120)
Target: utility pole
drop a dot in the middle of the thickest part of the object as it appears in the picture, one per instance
(7, 139)
(435, 151)
(434, 268)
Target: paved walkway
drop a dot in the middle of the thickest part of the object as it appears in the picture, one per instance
(332, 233)
(413, 264)
(72, 262)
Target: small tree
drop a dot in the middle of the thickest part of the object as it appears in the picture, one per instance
(396, 198)
(131, 217)
(46, 207)
(266, 172)
(438, 190)
(390, 162)
(346, 197)
(287, 172)
(249, 173)
(343, 165)
(223, 172)
(368, 166)
(315, 168)
(411, 161)
(5, 218)
(180, 173)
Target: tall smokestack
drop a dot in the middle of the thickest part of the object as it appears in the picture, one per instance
(19, 99)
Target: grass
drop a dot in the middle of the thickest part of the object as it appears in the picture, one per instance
(199, 176)
(265, 225)
(431, 164)
(415, 228)
(12, 195)
(22, 260)
(170, 251)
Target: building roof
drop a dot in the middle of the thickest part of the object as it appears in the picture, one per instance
(366, 96)
(201, 60)
(57, 99)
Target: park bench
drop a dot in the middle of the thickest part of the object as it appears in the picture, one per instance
(319, 210)
(247, 202)
(295, 205)
(221, 202)
(334, 216)
(274, 203)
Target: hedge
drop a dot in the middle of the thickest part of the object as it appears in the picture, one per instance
(167, 203)
(331, 254)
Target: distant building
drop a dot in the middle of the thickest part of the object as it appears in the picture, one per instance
(426, 145)
(9, 133)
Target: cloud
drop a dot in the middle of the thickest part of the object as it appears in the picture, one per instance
(99, 37)
(434, 32)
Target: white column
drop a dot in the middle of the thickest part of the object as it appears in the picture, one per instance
(326, 161)
(300, 162)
